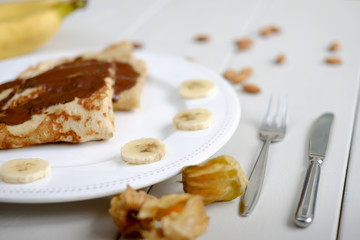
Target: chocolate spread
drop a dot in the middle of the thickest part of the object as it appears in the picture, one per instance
(125, 78)
(63, 83)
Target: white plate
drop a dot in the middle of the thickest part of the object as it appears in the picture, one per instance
(95, 169)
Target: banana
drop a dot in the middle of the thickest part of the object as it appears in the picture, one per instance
(24, 170)
(26, 25)
(193, 119)
(197, 88)
(143, 151)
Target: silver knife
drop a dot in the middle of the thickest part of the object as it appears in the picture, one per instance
(317, 149)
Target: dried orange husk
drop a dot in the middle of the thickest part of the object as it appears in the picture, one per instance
(124, 209)
(182, 217)
(218, 179)
(157, 208)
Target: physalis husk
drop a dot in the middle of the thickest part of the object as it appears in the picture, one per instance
(172, 217)
(124, 209)
(218, 179)
(182, 216)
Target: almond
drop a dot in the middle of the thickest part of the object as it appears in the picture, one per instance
(229, 74)
(334, 46)
(274, 29)
(244, 43)
(267, 31)
(246, 71)
(137, 45)
(202, 38)
(190, 59)
(281, 59)
(333, 60)
(251, 88)
(238, 78)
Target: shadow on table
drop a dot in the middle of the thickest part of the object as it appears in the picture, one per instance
(76, 220)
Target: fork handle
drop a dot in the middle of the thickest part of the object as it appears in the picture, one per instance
(252, 192)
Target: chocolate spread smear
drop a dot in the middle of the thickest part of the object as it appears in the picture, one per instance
(79, 78)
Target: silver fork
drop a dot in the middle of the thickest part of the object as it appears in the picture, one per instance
(273, 129)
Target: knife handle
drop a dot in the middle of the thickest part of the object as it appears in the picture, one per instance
(305, 211)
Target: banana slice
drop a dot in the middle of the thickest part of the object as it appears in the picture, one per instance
(24, 170)
(197, 88)
(143, 151)
(193, 119)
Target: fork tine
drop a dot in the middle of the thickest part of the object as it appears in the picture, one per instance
(284, 114)
(276, 114)
(266, 120)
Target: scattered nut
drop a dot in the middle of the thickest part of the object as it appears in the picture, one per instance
(190, 59)
(242, 76)
(202, 38)
(238, 78)
(137, 45)
(267, 31)
(251, 88)
(333, 60)
(234, 77)
(334, 46)
(274, 29)
(229, 74)
(246, 71)
(244, 43)
(281, 59)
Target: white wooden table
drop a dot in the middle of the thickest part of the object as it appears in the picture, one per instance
(312, 86)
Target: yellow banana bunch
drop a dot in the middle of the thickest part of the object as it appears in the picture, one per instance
(26, 25)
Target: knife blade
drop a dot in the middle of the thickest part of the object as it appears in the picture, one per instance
(318, 143)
